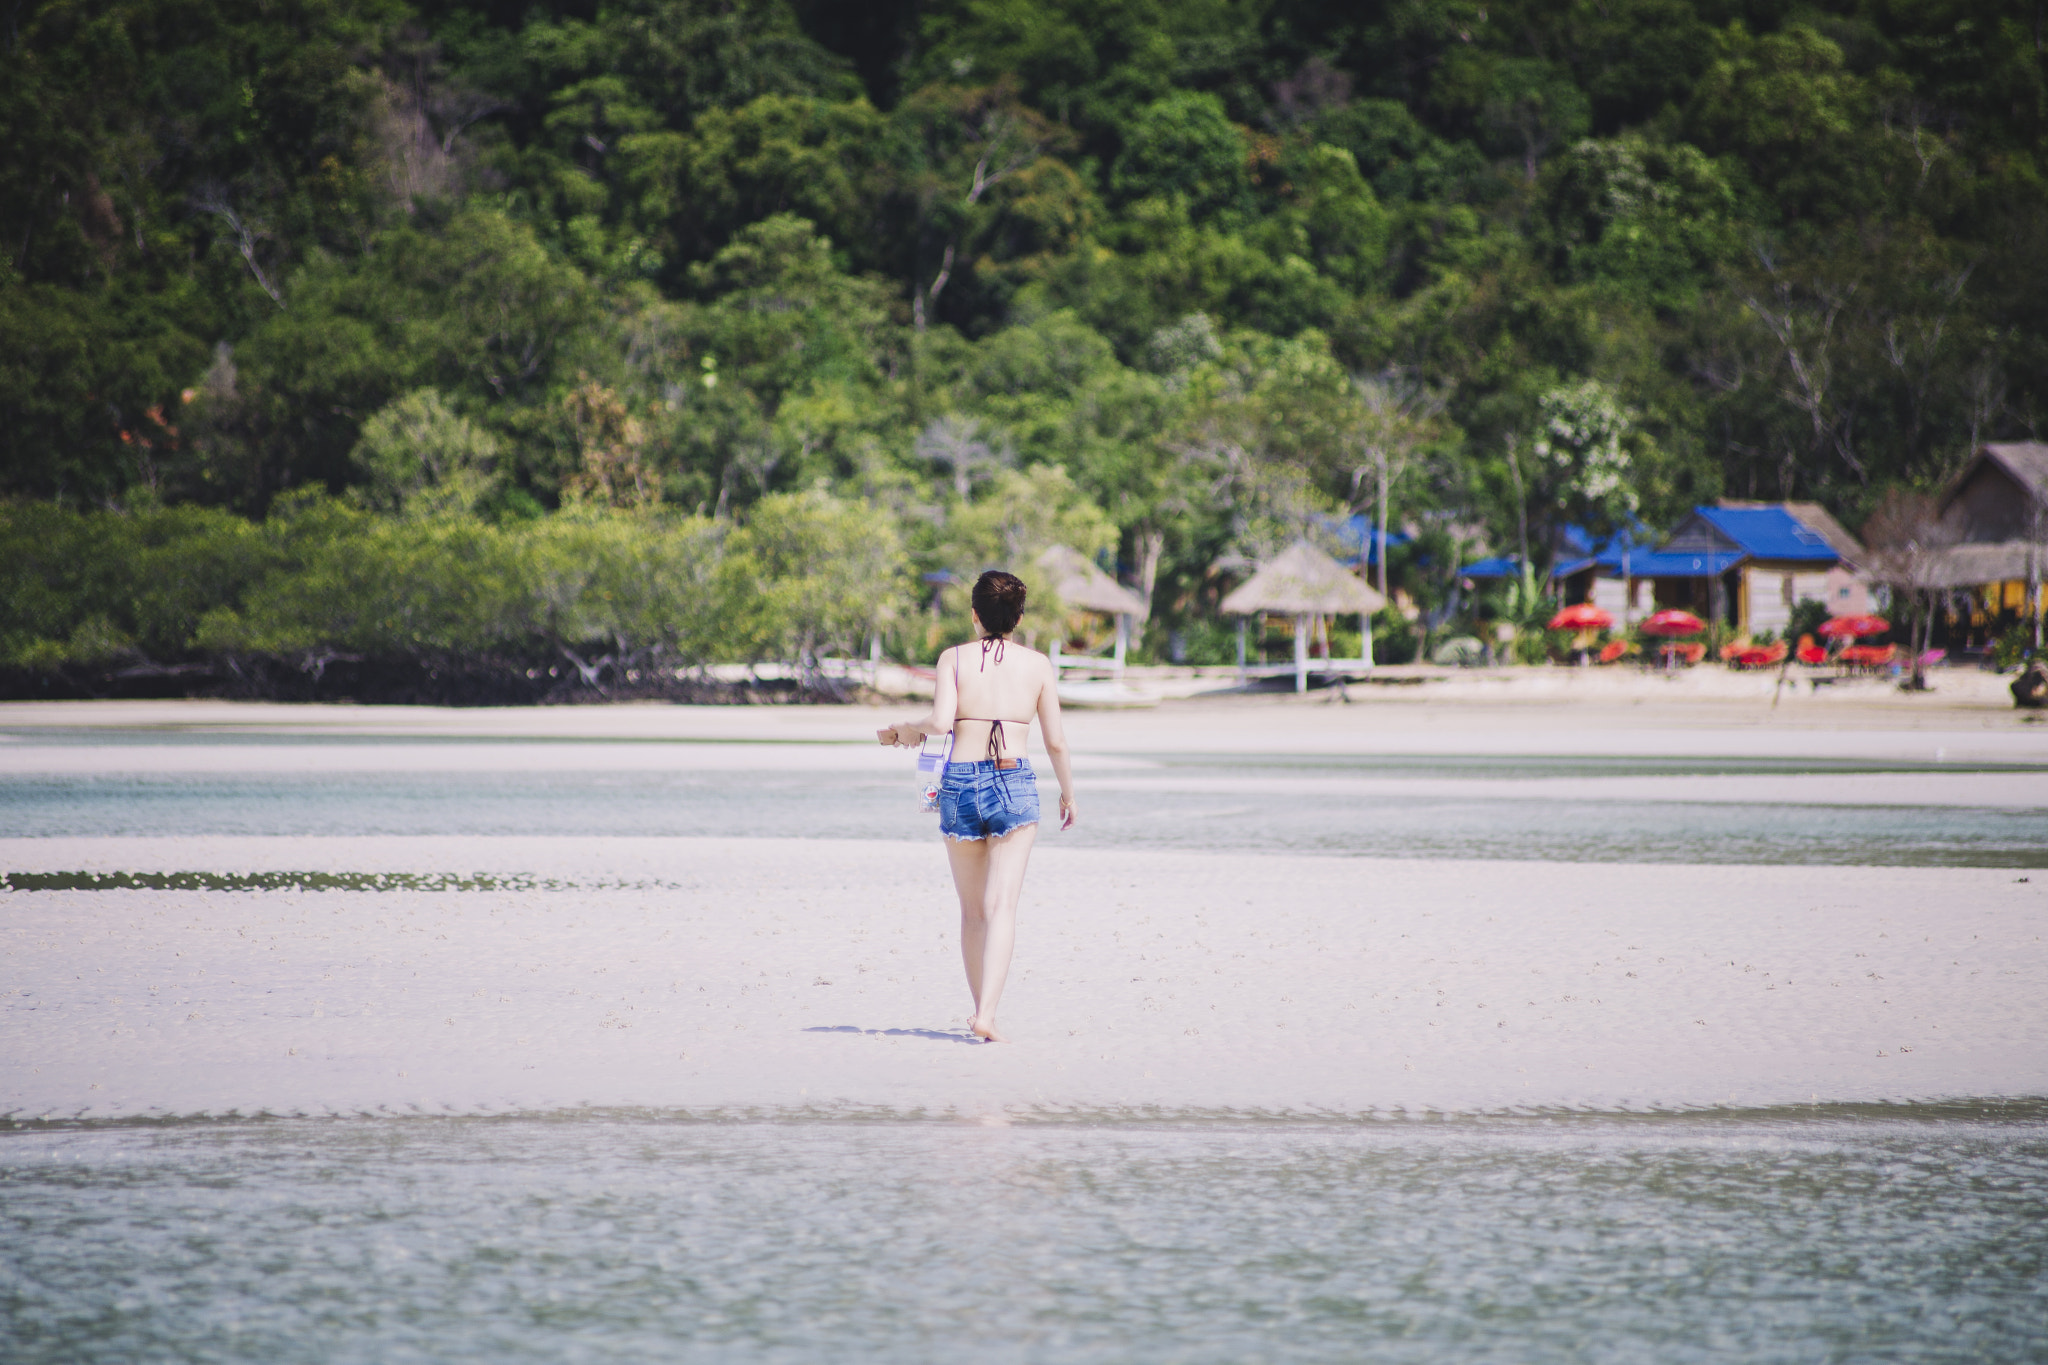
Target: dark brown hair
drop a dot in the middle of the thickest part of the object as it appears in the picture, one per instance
(998, 601)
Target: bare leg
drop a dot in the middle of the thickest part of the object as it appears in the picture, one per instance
(1006, 860)
(969, 861)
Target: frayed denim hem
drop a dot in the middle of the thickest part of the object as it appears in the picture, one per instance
(977, 838)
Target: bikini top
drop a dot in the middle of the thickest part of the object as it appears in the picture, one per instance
(995, 726)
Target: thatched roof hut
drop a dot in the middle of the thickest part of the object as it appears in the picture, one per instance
(1303, 581)
(1081, 584)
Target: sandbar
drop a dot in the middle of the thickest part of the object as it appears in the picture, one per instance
(761, 976)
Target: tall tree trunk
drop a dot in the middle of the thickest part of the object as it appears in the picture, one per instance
(925, 300)
(2034, 575)
(1382, 546)
(1926, 640)
(1151, 546)
(1521, 511)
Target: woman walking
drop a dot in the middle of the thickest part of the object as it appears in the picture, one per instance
(987, 695)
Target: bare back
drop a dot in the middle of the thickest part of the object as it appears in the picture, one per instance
(997, 688)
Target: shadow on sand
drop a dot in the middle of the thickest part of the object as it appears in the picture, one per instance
(933, 1035)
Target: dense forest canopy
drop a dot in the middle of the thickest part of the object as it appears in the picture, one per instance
(1173, 279)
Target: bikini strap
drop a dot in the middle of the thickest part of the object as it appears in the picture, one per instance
(995, 727)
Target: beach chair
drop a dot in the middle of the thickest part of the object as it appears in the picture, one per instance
(1869, 658)
(1764, 657)
(1613, 650)
(1810, 653)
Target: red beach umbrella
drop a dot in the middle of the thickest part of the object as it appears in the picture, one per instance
(1673, 622)
(1854, 627)
(1584, 616)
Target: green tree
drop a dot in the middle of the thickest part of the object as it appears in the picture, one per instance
(977, 179)
(1580, 449)
(1347, 230)
(1399, 420)
(419, 454)
(1652, 222)
(163, 170)
(777, 154)
(1185, 147)
(1521, 107)
(1091, 64)
(1800, 120)
(819, 574)
(478, 309)
(779, 312)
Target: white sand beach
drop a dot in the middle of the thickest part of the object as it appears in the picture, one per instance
(780, 973)
(751, 975)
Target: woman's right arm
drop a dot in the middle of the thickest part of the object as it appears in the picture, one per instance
(1055, 735)
(937, 721)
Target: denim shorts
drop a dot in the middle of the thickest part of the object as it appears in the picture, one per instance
(982, 801)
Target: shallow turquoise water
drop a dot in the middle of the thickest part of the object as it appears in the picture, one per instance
(638, 1238)
(1144, 810)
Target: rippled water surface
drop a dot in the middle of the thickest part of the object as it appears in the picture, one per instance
(642, 1239)
(1188, 804)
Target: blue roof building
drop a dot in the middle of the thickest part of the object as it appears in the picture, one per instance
(1743, 563)
(1496, 567)
(1575, 549)
(1748, 563)
(1358, 533)
(1768, 532)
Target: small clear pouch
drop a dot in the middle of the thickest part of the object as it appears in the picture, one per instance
(931, 768)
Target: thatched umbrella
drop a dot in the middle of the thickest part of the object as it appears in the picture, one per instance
(1080, 583)
(1305, 583)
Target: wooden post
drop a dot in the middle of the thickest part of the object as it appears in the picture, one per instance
(1381, 548)
(1301, 629)
(1365, 639)
(2033, 581)
(1123, 640)
(1240, 651)
(1628, 591)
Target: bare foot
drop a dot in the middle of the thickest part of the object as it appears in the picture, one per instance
(985, 1031)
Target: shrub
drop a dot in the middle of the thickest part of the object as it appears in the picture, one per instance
(1393, 638)
(602, 589)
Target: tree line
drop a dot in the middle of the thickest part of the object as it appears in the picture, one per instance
(1173, 282)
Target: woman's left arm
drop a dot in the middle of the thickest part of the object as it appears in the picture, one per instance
(1052, 731)
(937, 721)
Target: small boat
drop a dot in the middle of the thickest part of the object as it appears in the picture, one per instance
(1105, 694)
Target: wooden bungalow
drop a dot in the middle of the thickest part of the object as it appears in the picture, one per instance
(1996, 512)
(1756, 561)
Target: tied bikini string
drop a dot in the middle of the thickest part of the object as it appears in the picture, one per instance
(995, 729)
